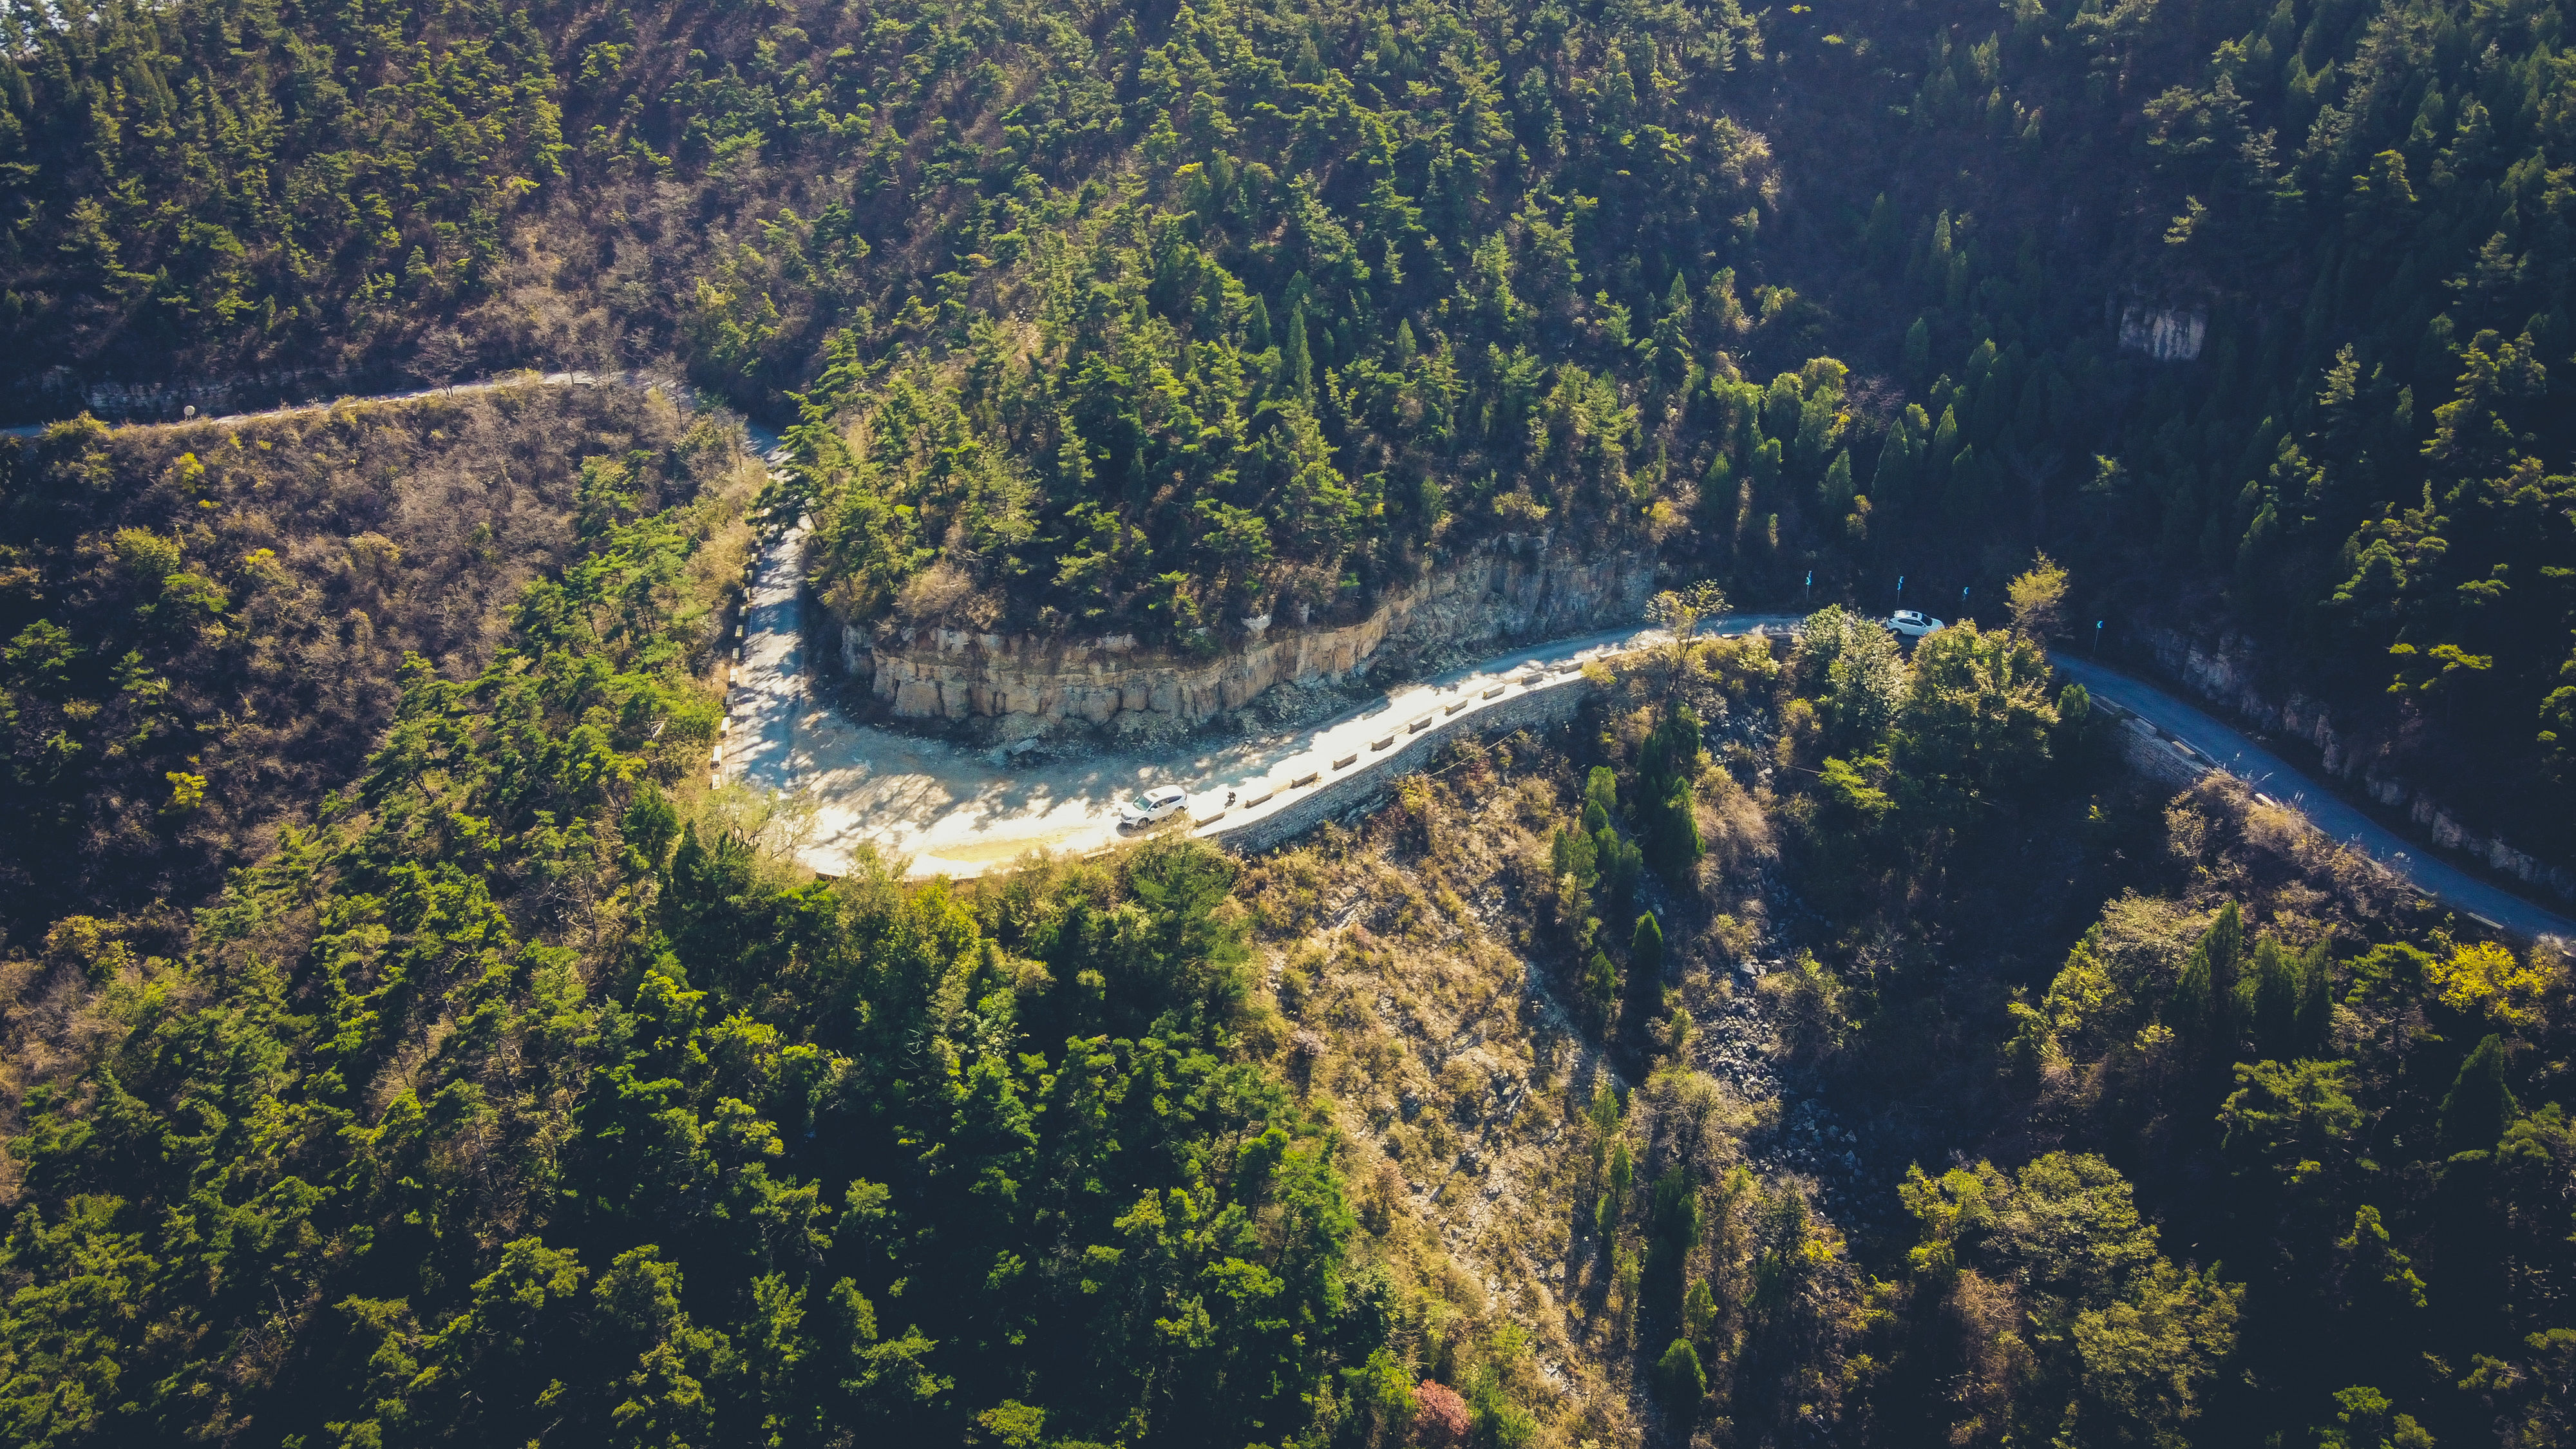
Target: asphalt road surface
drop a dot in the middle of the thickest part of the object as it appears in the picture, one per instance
(2233, 751)
(960, 811)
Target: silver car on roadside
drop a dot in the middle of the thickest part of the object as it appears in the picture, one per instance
(1153, 805)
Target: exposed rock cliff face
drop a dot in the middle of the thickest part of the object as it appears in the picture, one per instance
(2224, 672)
(1517, 589)
(2169, 334)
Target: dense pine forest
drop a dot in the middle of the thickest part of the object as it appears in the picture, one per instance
(403, 1041)
(1157, 320)
(503, 1090)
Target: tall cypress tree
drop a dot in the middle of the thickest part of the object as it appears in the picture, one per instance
(2480, 1105)
(1671, 752)
(2227, 986)
(2188, 1012)
(1646, 949)
(1601, 988)
(1293, 358)
(2208, 1009)
(1600, 788)
(1918, 352)
(1676, 1227)
(1621, 863)
(1681, 1381)
(2276, 1001)
(2210, 1005)
(1676, 839)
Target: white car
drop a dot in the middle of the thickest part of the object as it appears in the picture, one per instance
(1151, 806)
(1913, 623)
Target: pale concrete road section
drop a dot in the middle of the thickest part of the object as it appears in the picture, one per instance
(2231, 750)
(952, 810)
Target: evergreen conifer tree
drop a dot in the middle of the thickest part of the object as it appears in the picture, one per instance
(2480, 1105)
(2276, 1001)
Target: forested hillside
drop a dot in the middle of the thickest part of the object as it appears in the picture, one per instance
(1152, 320)
(525, 1096)
(531, 1086)
(2367, 465)
(1906, 1075)
(204, 629)
(402, 1041)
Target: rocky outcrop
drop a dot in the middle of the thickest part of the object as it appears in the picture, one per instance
(2223, 672)
(2167, 334)
(1515, 589)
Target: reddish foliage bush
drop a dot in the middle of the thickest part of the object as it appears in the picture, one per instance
(1439, 1416)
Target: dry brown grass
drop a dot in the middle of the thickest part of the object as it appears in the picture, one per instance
(337, 542)
(1419, 961)
(2291, 877)
(1402, 949)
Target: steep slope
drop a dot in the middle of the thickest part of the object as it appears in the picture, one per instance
(207, 625)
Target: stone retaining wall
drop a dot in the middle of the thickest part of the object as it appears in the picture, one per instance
(2163, 761)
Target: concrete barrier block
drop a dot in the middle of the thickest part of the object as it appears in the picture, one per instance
(1551, 703)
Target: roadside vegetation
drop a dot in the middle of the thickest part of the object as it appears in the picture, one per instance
(1818, 1037)
(526, 1091)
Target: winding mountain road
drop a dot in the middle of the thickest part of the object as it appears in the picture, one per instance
(959, 811)
(2232, 750)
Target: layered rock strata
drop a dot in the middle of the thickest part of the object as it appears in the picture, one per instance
(1515, 589)
(2225, 672)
